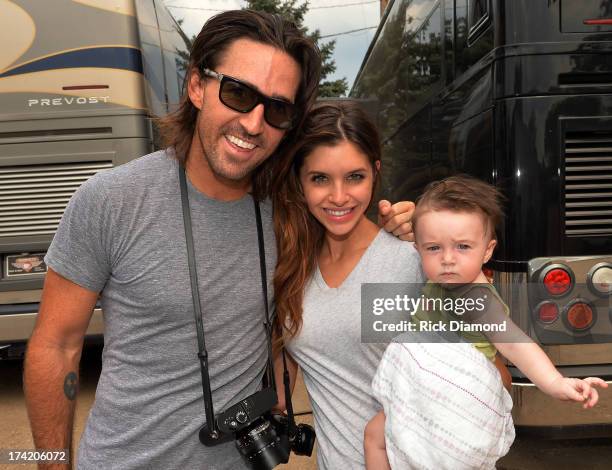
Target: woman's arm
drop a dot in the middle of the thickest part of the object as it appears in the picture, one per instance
(374, 444)
(504, 373)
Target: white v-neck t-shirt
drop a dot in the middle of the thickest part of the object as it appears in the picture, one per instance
(338, 368)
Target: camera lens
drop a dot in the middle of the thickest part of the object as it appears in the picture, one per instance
(304, 440)
(261, 447)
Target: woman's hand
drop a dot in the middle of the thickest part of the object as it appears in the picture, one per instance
(396, 218)
(374, 444)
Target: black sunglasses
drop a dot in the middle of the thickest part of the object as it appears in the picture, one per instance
(241, 97)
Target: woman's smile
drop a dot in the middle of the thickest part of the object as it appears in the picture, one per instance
(337, 181)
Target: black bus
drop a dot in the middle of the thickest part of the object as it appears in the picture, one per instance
(519, 94)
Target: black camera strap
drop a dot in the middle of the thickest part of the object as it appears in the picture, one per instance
(269, 380)
(193, 275)
(291, 429)
(195, 295)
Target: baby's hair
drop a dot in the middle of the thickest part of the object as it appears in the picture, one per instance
(462, 193)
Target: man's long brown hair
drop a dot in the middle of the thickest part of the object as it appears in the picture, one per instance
(299, 236)
(207, 51)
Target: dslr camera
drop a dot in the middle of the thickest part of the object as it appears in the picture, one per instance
(264, 440)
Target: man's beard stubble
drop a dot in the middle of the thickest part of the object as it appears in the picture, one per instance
(227, 168)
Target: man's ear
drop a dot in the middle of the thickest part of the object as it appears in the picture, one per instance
(377, 165)
(489, 251)
(195, 88)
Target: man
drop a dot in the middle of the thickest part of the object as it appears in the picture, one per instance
(252, 77)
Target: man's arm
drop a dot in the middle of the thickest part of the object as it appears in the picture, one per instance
(52, 359)
(396, 218)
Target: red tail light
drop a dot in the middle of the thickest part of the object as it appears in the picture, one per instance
(557, 281)
(580, 315)
(85, 87)
(548, 312)
(599, 21)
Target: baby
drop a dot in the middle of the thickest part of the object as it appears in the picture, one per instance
(444, 405)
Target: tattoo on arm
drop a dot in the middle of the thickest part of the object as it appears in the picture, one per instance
(71, 385)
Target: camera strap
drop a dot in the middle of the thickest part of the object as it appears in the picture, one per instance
(195, 294)
(291, 429)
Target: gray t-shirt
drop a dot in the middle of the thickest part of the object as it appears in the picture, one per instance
(122, 234)
(338, 368)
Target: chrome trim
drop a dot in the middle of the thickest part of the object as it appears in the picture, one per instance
(579, 354)
(529, 384)
(20, 297)
(534, 408)
(512, 287)
(18, 328)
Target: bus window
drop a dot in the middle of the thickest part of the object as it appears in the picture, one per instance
(175, 55)
(472, 40)
(151, 57)
(421, 64)
(449, 41)
(418, 77)
(379, 73)
(404, 62)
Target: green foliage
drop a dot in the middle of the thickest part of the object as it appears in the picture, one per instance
(295, 11)
(285, 8)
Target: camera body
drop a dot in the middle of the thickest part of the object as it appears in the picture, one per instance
(270, 440)
(264, 440)
(243, 413)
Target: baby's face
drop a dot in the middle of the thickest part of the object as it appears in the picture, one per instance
(453, 246)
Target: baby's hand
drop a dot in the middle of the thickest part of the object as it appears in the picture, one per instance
(565, 388)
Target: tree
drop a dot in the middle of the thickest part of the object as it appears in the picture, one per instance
(295, 12)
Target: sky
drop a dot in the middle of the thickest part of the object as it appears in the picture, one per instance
(329, 16)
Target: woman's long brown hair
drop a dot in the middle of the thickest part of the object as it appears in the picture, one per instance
(299, 236)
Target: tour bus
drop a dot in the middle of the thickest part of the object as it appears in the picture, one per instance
(519, 94)
(80, 81)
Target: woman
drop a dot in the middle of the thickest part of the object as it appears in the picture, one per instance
(327, 249)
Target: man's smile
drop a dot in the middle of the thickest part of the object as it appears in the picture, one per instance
(240, 143)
